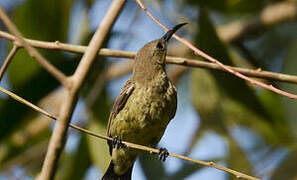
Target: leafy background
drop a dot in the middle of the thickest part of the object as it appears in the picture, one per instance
(220, 118)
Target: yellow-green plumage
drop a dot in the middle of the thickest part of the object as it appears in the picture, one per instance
(143, 109)
(143, 119)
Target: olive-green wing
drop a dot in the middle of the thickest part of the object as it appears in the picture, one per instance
(174, 104)
(120, 102)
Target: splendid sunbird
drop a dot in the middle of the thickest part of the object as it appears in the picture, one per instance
(143, 109)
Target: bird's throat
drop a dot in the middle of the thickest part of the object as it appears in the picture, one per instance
(148, 74)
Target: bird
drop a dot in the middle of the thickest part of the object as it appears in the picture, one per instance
(143, 109)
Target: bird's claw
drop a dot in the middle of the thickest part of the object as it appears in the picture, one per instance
(117, 143)
(163, 154)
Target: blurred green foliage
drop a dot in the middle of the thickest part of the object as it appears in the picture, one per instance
(223, 102)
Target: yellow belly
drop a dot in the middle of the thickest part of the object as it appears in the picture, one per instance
(143, 120)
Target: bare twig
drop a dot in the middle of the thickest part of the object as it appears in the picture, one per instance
(59, 134)
(128, 144)
(173, 60)
(249, 72)
(33, 52)
(27, 103)
(271, 15)
(8, 60)
(213, 60)
(77, 79)
(52, 102)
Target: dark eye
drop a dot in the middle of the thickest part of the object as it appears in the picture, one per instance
(159, 45)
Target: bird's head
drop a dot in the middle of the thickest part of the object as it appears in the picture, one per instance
(151, 57)
(155, 51)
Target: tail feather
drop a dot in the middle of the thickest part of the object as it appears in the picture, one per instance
(111, 175)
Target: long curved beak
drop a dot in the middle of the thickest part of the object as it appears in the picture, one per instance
(171, 31)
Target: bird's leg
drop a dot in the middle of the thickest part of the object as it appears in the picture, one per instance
(117, 143)
(163, 154)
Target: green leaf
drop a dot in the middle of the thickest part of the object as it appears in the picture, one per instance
(98, 148)
(206, 99)
(223, 100)
(216, 4)
(290, 105)
(230, 6)
(287, 168)
(234, 87)
(244, 6)
(45, 20)
(26, 77)
(237, 159)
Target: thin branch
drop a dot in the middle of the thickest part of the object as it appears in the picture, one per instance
(271, 15)
(238, 175)
(97, 41)
(249, 72)
(33, 52)
(52, 102)
(8, 60)
(58, 137)
(173, 60)
(69, 47)
(213, 60)
(77, 80)
(27, 103)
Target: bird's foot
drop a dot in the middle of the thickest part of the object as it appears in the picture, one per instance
(117, 143)
(163, 154)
